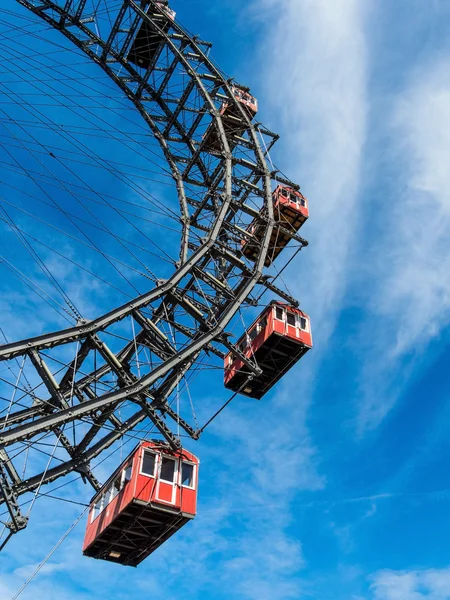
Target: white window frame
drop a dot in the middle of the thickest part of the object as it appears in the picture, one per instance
(306, 329)
(94, 513)
(155, 468)
(175, 472)
(106, 495)
(295, 323)
(102, 504)
(262, 324)
(110, 495)
(254, 331)
(194, 474)
(113, 488)
(283, 319)
(122, 478)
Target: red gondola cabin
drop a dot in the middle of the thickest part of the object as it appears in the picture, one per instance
(147, 42)
(290, 211)
(149, 498)
(276, 341)
(232, 119)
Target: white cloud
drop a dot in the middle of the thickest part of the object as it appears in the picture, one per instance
(271, 564)
(48, 568)
(315, 80)
(412, 585)
(418, 290)
(412, 299)
(317, 83)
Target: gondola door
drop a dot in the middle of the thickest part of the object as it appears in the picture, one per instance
(167, 487)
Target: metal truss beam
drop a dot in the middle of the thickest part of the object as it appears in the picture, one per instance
(210, 282)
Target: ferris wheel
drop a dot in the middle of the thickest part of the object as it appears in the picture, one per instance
(189, 258)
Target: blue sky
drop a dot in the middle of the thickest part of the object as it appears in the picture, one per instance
(335, 485)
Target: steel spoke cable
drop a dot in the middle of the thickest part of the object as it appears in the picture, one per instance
(25, 462)
(52, 183)
(13, 395)
(135, 347)
(37, 289)
(52, 249)
(26, 394)
(61, 499)
(79, 155)
(41, 264)
(23, 16)
(37, 174)
(28, 108)
(79, 229)
(130, 136)
(49, 555)
(112, 164)
(258, 299)
(114, 172)
(83, 129)
(84, 108)
(199, 293)
(71, 237)
(44, 473)
(34, 216)
(98, 220)
(21, 31)
(35, 445)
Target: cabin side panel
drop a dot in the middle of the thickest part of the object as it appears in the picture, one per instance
(146, 474)
(112, 501)
(265, 326)
(108, 514)
(285, 337)
(189, 485)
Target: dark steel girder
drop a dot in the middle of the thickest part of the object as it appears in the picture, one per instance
(149, 392)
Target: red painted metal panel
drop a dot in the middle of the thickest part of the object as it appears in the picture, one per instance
(290, 212)
(231, 119)
(273, 327)
(99, 520)
(144, 484)
(166, 493)
(188, 501)
(142, 488)
(293, 199)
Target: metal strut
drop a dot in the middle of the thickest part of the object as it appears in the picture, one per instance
(18, 520)
(211, 280)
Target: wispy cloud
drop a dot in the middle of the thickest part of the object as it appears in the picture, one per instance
(316, 84)
(418, 290)
(260, 461)
(412, 585)
(413, 291)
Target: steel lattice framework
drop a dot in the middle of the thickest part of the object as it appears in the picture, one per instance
(217, 192)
